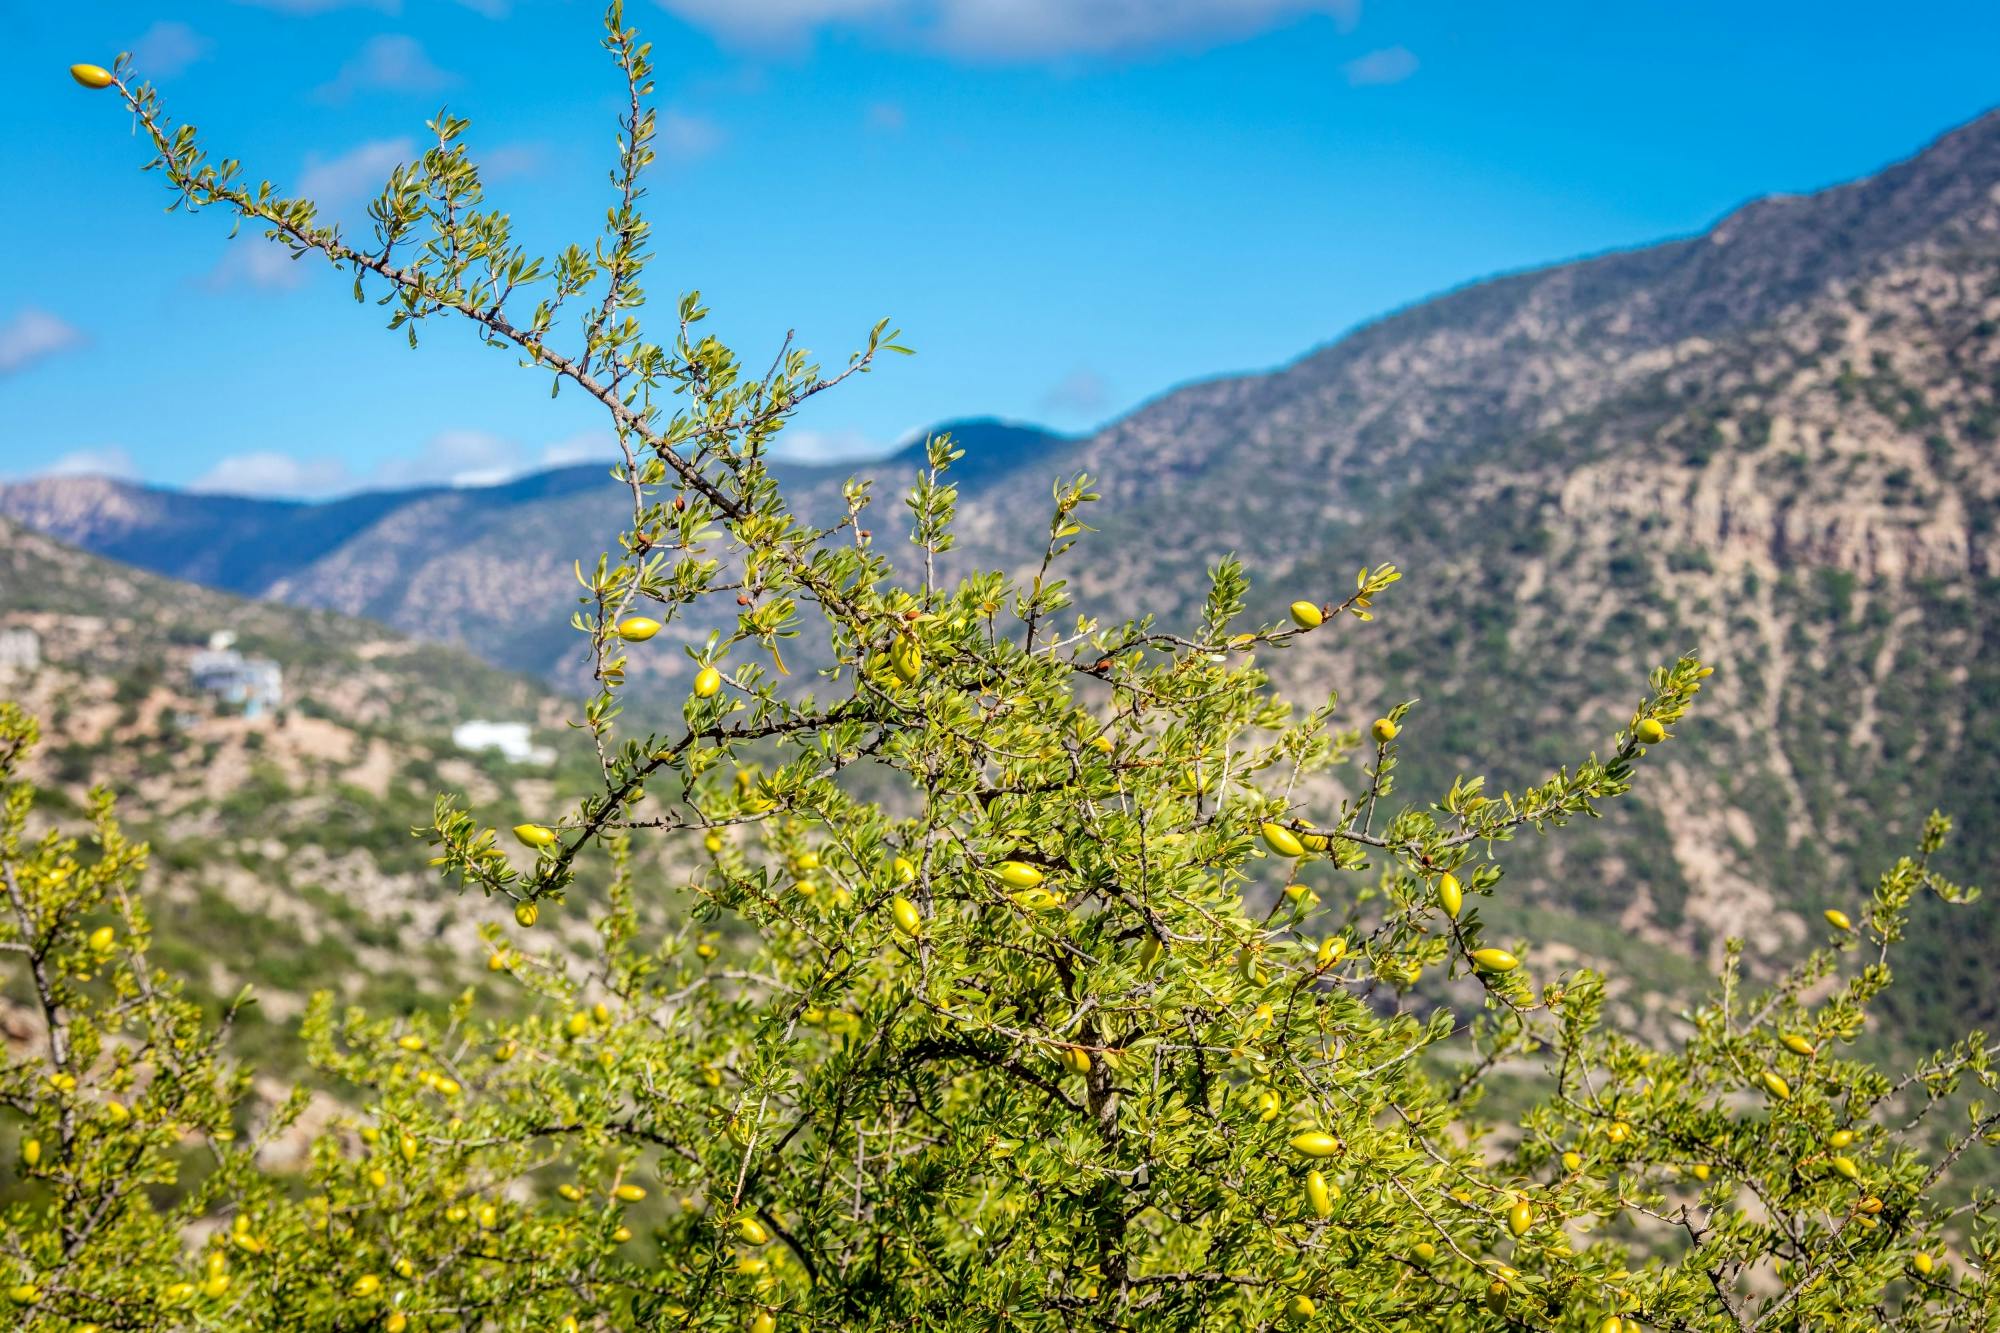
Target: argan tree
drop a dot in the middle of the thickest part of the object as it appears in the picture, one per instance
(1121, 1002)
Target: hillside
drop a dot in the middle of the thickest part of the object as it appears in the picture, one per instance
(282, 848)
(1773, 443)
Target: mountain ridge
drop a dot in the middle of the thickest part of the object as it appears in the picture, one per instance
(1774, 442)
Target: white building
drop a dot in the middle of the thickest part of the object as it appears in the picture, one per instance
(511, 739)
(254, 684)
(20, 649)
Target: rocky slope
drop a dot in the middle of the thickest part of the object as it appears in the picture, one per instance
(283, 854)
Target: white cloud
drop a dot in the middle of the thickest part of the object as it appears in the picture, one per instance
(168, 48)
(462, 457)
(686, 136)
(268, 473)
(253, 260)
(799, 445)
(390, 62)
(1014, 29)
(1392, 64)
(109, 461)
(345, 179)
(321, 6)
(34, 335)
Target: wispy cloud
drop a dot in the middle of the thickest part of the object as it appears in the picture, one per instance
(256, 261)
(463, 457)
(1392, 64)
(345, 178)
(687, 135)
(825, 446)
(109, 461)
(35, 335)
(1014, 29)
(322, 6)
(168, 48)
(387, 62)
(267, 472)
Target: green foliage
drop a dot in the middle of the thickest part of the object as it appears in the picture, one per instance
(1083, 1014)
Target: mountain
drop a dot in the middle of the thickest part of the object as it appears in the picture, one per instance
(483, 567)
(1773, 443)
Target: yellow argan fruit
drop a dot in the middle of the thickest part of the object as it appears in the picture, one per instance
(1796, 1044)
(1612, 1324)
(904, 869)
(365, 1286)
(1102, 744)
(906, 658)
(496, 961)
(1923, 1263)
(1450, 895)
(753, 1231)
(1331, 950)
(1424, 1252)
(396, 1322)
(527, 914)
(1847, 1167)
(27, 1293)
(1618, 1131)
(1840, 1138)
(577, 1024)
(534, 835)
(1496, 1296)
(1283, 841)
(629, 1193)
(505, 1051)
(1520, 1217)
(1149, 950)
(1314, 1143)
(707, 682)
(1838, 919)
(1494, 960)
(116, 1112)
(1384, 730)
(1019, 875)
(1075, 1059)
(1302, 1307)
(31, 1152)
(1572, 1161)
(1649, 731)
(215, 1285)
(1702, 1171)
(1038, 900)
(410, 1041)
(570, 1192)
(1776, 1086)
(905, 913)
(103, 940)
(765, 1322)
(1307, 615)
(619, 1235)
(91, 76)
(638, 629)
(1320, 1194)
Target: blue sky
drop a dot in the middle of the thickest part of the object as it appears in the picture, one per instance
(1067, 205)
